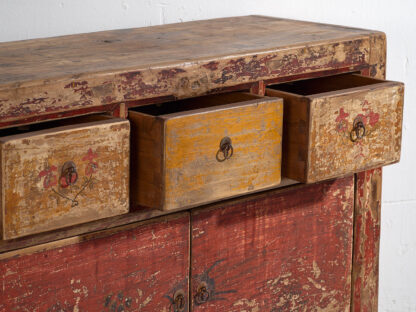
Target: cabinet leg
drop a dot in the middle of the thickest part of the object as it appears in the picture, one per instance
(364, 296)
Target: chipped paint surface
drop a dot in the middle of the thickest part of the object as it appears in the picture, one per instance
(151, 65)
(282, 252)
(111, 273)
(332, 150)
(367, 241)
(37, 195)
(193, 175)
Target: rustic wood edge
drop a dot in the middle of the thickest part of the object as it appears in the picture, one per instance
(134, 218)
(87, 236)
(366, 243)
(364, 293)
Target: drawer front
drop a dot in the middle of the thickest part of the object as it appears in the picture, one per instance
(282, 251)
(64, 176)
(353, 132)
(199, 150)
(142, 267)
(350, 123)
(222, 153)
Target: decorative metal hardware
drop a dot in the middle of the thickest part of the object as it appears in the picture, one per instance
(179, 301)
(226, 149)
(358, 130)
(69, 174)
(202, 295)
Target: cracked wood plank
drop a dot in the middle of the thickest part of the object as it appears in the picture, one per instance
(139, 267)
(285, 252)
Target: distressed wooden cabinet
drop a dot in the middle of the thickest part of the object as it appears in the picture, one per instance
(281, 245)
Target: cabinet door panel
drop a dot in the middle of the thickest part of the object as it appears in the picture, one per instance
(141, 268)
(279, 251)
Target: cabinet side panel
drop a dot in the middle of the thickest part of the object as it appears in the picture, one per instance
(139, 269)
(290, 251)
(378, 43)
(366, 241)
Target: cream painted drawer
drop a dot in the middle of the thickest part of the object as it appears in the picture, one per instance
(199, 150)
(338, 125)
(62, 173)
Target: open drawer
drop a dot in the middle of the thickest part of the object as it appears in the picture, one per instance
(338, 125)
(199, 150)
(62, 173)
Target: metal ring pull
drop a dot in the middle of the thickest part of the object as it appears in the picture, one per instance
(358, 130)
(202, 295)
(226, 149)
(179, 301)
(69, 173)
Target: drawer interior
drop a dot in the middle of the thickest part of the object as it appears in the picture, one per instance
(195, 103)
(52, 124)
(325, 84)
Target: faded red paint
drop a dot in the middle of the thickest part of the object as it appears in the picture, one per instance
(35, 101)
(49, 177)
(276, 252)
(92, 165)
(135, 270)
(82, 88)
(211, 65)
(142, 84)
(366, 241)
(341, 119)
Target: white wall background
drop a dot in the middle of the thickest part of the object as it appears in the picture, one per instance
(26, 19)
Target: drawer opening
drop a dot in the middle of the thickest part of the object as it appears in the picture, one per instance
(195, 103)
(325, 84)
(23, 129)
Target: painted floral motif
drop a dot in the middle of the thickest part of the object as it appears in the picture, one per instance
(49, 177)
(92, 166)
(368, 118)
(68, 188)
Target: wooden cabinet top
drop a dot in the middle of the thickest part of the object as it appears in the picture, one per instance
(126, 49)
(55, 75)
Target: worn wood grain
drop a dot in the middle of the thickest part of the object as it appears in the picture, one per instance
(289, 252)
(320, 140)
(138, 268)
(377, 59)
(366, 241)
(56, 75)
(38, 196)
(179, 148)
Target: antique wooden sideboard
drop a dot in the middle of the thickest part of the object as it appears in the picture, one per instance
(222, 165)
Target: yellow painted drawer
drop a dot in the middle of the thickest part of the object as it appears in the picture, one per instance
(338, 125)
(61, 173)
(199, 150)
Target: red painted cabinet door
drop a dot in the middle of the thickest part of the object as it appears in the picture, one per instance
(278, 251)
(141, 268)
